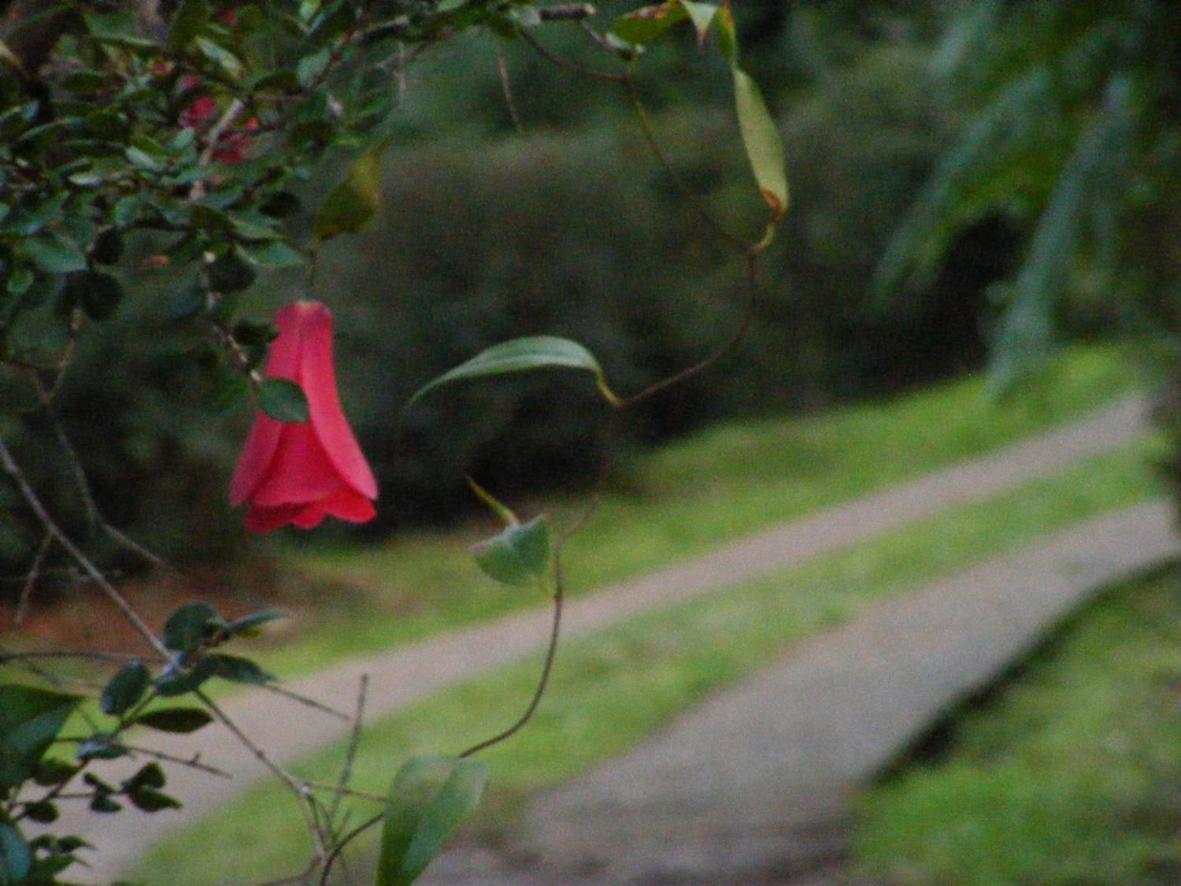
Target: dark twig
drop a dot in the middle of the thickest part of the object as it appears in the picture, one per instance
(305, 700)
(592, 73)
(346, 772)
(34, 573)
(34, 502)
(506, 87)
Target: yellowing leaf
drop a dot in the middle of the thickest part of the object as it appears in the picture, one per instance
(350, 205)
(764, 147)
(647, 23)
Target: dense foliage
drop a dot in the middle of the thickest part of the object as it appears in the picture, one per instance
(465, 250)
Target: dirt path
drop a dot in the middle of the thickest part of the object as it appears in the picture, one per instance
(751, 785)
(397, 678)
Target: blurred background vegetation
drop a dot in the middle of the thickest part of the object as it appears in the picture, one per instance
(969, 179)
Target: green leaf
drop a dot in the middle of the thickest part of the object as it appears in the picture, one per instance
(350, 205)
(141, 159)
(54, 254)
(764, 147)
(427, 800)
(183, 720)
(518, 555)
(150, 775)
(283, 400)
(312, 66)
(189, 627)
(30, 719)
(274, 255)
(148, 800)
(522, 355)
(177, 682)
(187, 21)
(248, 625)
(42, 812)
(15, 856)
(648, 22)
(220, 56)
(240, 670)
(125, 688)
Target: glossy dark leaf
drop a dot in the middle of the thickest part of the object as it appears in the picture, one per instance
(54, 254)
(248, 625)
(283, 400)
(30, 719)
(148, 800)
(523, 355)
(183, 720)
(240, 670)
(125, 688)
(189, 627)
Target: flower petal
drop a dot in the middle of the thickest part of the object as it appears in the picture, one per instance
(259, 451)
(318, 379)
(300, 472)
(264, 519)
(350, 506)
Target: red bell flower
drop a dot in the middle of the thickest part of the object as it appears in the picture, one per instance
(302, 473)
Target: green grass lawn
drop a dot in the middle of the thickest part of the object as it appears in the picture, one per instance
(1070, 773)
(693, 495)
(612, 689)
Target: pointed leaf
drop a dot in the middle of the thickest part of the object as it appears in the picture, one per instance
(54, 254)
(518, 555)
(427, 800)
(764, 147)
(182, 720)
(238, 669)
(647, 23)
(30, 719)
(125, 688)
(350, 205)
(189, 627)
(248, 625)
(283, 400)
(15, 856)
(177, 682)
(148, 800)
(522, 355)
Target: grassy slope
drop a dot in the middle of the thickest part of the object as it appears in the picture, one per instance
(1071, 775)
(614, 688)
(715, 486)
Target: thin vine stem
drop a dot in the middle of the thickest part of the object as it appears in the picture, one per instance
(546, 670)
